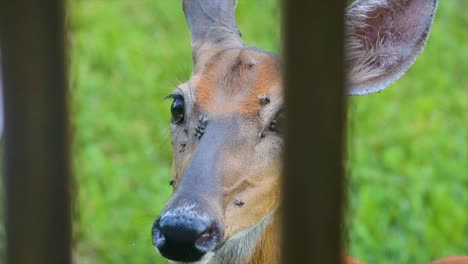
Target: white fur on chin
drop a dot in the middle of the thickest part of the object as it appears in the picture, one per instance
(239, 248)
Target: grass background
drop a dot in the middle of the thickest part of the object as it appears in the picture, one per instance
(408, 146)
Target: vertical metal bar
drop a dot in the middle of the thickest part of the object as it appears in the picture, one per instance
(36, 134)
(313, 181)
(1, 103)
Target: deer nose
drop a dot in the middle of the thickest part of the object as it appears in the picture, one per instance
(185, 238)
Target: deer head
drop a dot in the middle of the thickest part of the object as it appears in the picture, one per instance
(227, 125)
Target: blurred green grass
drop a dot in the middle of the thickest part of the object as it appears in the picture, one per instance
(408, 146)
(408, 151)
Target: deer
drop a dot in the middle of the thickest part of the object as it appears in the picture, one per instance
(227, 126)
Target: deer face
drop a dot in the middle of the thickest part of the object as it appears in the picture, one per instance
(227, 143)
(227, 122)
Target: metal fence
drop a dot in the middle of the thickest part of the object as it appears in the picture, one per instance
(36, 136)
(313, 180)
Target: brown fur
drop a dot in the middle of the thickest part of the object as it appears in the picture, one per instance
(268, 249)
(452, 260)
(230, 81)
(259, 191)
(448, 260)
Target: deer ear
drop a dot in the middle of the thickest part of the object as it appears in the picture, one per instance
(383, 39)
(213, 27)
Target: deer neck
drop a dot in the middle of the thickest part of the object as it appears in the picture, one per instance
(259, 245)
(267, 249)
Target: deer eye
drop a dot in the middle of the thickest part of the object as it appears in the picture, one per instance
(177, 109)
(278, 122)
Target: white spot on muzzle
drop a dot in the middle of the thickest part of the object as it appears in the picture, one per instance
(186, 209)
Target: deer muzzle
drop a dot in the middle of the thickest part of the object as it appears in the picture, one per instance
(191, 224)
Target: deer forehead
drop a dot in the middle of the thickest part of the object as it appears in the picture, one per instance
(234, 80)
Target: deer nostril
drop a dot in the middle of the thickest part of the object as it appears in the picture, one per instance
(156, 235)
(208, 239)
(203, 238)
(183, 238)
(158, 239)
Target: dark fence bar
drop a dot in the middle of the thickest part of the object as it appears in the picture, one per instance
(36, 134)
(313, 182)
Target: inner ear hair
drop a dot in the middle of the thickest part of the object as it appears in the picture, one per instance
(383, 39)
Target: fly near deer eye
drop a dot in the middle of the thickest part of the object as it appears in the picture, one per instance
(177, 109)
